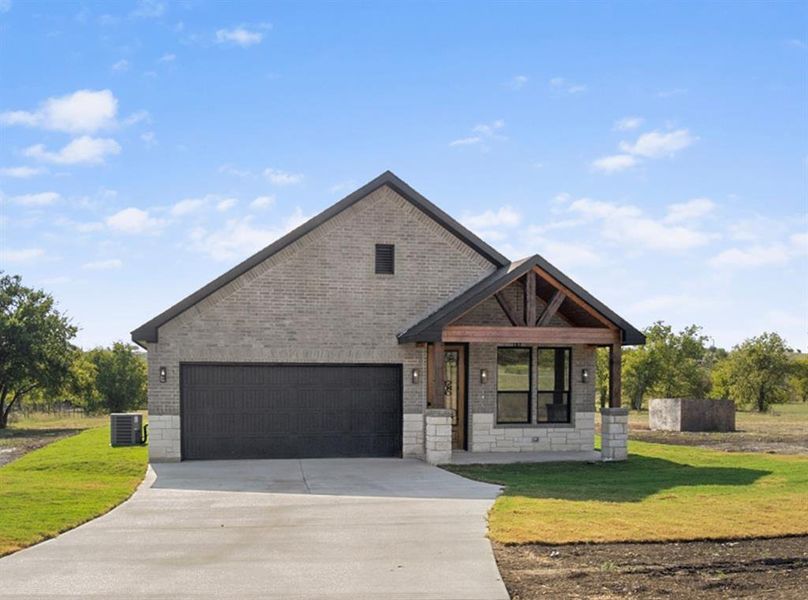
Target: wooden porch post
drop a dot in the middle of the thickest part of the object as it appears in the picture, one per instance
(438, 376)
(615, 381)
(530, 299)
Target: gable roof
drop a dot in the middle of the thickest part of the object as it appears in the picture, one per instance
(148, 331)
(430, 329)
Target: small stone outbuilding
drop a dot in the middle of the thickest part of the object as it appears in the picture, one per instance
(691, 414)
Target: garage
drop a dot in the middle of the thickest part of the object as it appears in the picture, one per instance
(232, 411)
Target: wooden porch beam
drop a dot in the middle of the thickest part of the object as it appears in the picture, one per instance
(530, 299)
(530, 335)
(559, 286)
(508, 309)
(438, 376)
(551, 308)
(615, 374)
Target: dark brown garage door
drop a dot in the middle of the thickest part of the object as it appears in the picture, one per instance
(290, 411)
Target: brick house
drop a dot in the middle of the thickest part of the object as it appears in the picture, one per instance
(382, 327)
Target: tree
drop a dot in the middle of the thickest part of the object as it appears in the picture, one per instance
(799, 377)
(80, 388)
(35, 348)
(755, 373)
(671, 365)
(121, 376)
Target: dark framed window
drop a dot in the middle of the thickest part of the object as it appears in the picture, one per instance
(553, 372)
(385, 259)
(513, 385)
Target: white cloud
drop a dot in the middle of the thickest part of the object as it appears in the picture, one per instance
(240, 36)
(763, 254)
(796, 43)
(655, 305)
(21, 256)
(149, 9)
(103, 265)
(187, 206)
(82, 150)
(628, 123)
(262, 202)
(568, 255)
(800, 242)
(466, 141)
(342, 186)
(235, 171)
(482, 132)
(278, 177)
(240, 237)
(84, 111)
(671, 93)
(559, 84)
(226, 204)
(656, 144)
(614, 163)
(149, 138)
(754, 256)
(140, 116)
(5, 6)
(21, 172)
(40, 199)
(627, 225)
(165, 58)
(504, 217)
(518, 82)
(489, 129)
(690, 210)
(121, 66)
(133, 220)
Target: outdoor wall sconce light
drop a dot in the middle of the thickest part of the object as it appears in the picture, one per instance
(163, 374)
(584, 375)
(416, 375)
(483, 376)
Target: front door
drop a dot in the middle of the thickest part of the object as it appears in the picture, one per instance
(454, 369)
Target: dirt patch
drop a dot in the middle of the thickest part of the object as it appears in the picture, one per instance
(775, 569)
(735, 441)
(15, 443)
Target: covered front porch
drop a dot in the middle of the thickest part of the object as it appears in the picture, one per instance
(511, 371)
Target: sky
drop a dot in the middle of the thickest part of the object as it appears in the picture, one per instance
(655, 152)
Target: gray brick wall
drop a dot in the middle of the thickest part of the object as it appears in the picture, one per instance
(319, 300)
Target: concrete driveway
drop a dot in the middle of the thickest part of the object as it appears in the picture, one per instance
(355, 528)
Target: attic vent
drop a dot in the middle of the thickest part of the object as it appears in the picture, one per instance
(385, 258)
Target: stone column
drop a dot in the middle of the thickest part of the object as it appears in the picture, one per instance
(438, 440)
(614, 433)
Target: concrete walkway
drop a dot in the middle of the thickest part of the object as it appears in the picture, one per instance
(357, 528)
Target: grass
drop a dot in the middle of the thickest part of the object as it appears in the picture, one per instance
(63, 485)
(57, 421)
(37, 425)
(661, 493)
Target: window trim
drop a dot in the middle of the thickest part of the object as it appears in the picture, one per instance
(392, 248)
(567, 391)
(529, 391)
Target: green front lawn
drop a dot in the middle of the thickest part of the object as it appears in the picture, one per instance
(661, 493)
(64, 484)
